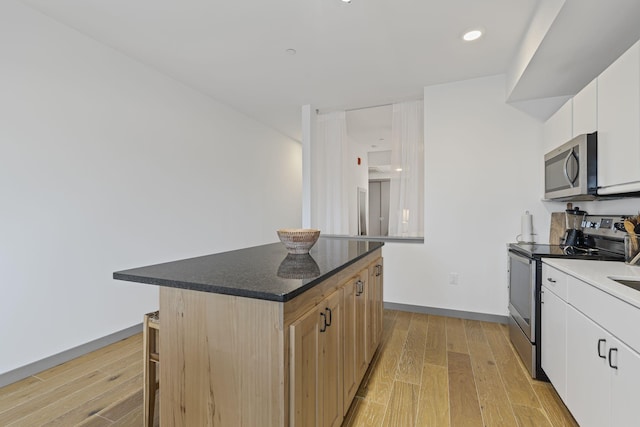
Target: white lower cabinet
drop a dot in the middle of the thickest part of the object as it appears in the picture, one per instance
(602, 376)
(594, 372)
(554, 340)
(625, 385)
(588, 375)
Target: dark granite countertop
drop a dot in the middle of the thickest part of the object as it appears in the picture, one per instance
(262, 272)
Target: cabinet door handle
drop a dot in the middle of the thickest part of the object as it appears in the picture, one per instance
(359, 288)
(541, 296)
(324, 322)
(329, 310)
(601, 341)
(611, 350)
(378, 270)
(549, 279)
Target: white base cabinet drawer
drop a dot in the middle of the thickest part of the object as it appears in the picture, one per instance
(613, 314)
(555, 280)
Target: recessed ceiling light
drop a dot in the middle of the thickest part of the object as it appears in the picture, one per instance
(346, 1)
(398, 169)
(290, 51)
(472, 35)
(374, 146)
(381, 139)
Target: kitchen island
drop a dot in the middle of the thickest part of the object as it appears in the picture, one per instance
(259, 337)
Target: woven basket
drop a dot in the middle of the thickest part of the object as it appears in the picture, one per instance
(298, 240)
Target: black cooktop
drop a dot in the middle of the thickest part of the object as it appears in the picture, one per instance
(538, 250)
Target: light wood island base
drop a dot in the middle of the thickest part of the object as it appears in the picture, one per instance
(229, 360)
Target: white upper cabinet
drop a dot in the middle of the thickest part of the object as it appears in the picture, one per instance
(558, 128)
(585, 109)
(618, 113)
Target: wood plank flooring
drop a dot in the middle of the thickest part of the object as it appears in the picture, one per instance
(428, 371)
(442, 371)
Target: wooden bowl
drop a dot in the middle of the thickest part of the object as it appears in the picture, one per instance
(298, 240)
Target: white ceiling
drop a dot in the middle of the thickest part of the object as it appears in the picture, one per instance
(367, 52)
(370, 127)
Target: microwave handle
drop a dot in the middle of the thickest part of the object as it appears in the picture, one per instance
(566, 168)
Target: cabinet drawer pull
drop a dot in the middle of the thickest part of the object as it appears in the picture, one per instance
(601, 341)
(549, 279)
(324, 322)
(611, 365)
(329, 310)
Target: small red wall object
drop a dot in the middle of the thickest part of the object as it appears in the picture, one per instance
(359, 161)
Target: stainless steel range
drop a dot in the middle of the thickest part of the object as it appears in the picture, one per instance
(603, 240)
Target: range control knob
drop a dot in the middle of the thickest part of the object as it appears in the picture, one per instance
(619, 226)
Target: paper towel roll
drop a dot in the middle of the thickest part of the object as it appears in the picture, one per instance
(526, 228)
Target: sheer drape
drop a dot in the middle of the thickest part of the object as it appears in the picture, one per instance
(406, 205)
(329, 179)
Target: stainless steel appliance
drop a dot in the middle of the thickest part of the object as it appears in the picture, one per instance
(571, 170)
(603, 240)
(574, 235)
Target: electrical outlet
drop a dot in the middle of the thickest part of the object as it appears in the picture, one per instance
(453, 279)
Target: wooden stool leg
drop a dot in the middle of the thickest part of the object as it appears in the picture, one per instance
(149, 387)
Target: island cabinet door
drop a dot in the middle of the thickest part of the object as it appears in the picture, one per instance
(316, 375)
(331, 362)
(355, 363)
(374, 308)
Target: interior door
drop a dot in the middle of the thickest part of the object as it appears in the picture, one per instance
(385, 187)
(374, 208)
(379, 208)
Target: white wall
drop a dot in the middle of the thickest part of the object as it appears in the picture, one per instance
(482, 171)
(105, 165)
(358, 176)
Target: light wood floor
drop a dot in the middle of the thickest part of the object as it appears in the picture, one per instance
(442, 371)
(429, 371)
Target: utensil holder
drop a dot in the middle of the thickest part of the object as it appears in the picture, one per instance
(632, 249)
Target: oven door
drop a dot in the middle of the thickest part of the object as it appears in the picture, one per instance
(522, 286)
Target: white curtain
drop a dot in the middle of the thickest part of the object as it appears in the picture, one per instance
(329, 178)
(406, 196)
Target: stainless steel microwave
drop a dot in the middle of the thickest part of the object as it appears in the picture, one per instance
(571, 170)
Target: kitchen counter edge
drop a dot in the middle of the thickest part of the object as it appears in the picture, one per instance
(136, 275)
(598, 273)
